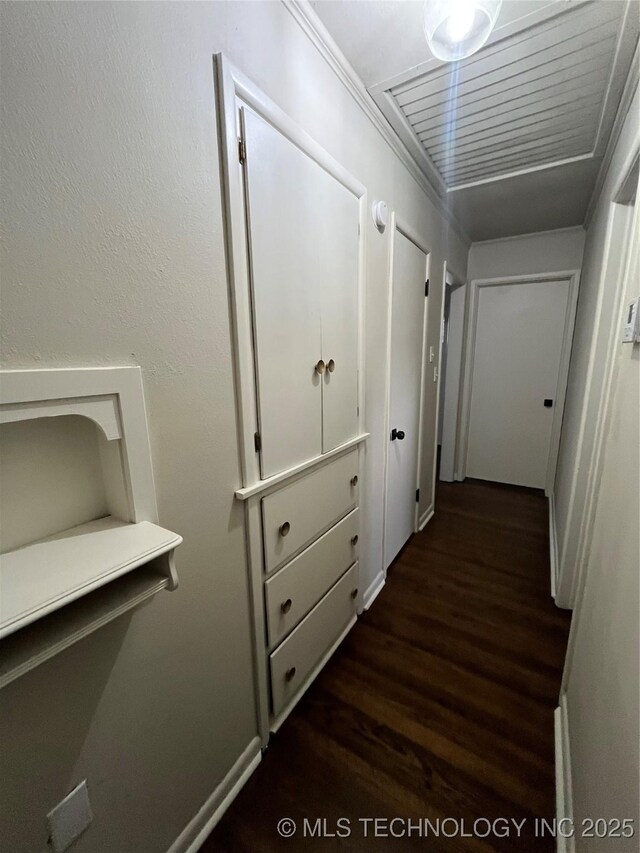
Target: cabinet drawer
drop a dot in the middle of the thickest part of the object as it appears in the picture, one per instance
(295, 515)
(295, 658)
(294, 590)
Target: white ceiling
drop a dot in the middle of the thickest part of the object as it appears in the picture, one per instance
(512, 137)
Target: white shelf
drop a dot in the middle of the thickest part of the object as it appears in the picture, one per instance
(36, 643)
(46, 575)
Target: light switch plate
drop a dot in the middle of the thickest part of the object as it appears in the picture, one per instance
(69, 819)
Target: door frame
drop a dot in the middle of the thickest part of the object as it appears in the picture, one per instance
(453, 281)
(397, 224)
(573, 278)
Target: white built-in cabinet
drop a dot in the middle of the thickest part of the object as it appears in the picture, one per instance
(303, 240)
(294, 238)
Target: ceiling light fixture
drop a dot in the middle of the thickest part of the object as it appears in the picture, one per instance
(455, 29)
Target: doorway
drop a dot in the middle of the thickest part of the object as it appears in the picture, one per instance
(408, 303)
(520, 332)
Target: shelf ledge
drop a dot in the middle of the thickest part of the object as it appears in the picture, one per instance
(24, 650)
(269, 483)
(46, 575)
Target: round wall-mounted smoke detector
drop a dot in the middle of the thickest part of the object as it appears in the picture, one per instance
(380, 213)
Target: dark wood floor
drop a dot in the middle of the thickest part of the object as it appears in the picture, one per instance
(440, 702)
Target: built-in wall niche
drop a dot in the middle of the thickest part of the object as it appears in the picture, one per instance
(79, 539)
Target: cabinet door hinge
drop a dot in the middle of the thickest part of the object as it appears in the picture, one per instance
(426, 287)
(257, 442)
(417, 495)
(242, 150)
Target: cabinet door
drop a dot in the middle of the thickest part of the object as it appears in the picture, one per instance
(339, 314)
(281, 183)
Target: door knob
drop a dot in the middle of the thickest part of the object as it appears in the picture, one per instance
(354, 593)
(354, 480)
(290, 673)
(354, 540)
(320, 367)
(397, 433)
(331, 365)
(286, 605)
(284, 528)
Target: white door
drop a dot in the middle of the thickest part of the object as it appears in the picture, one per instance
(408, 318)
(516, 362)
(303, 245)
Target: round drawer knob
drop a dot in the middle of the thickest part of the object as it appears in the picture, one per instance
(331, 365)
(354, 539)
(284, 528)
(290, 673)
(286, 605)
(320, 367)
(354, 593)
(354, 480)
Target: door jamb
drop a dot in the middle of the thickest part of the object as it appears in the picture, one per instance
(396, 223)
(573, 277)
(450, 279)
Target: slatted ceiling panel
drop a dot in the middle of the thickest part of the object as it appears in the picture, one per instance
(589, 69)
(585, 25)
(476, 141)
(538, 113)
(512, 164)
(533, 98)
(449, 164)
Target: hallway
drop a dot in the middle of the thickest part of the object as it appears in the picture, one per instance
(439, 704)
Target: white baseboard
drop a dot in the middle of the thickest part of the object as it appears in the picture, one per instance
(564, 796)
(201, 825)
(553, 545)
(425, 518)
(373, 591)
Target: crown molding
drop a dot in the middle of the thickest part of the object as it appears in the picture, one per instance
(626, 100)
(317, 33)
(528, 234)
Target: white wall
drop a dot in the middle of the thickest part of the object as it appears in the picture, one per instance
(114, 254)
(595, 321)
(548, 251)
(603, 664)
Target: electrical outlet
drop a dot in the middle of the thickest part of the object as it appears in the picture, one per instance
(69, 819)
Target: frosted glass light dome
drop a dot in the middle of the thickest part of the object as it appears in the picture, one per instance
(455, 29)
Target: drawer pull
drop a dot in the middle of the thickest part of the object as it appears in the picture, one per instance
(290, 673)
(320, 367)
(331, 365)
(286, 605)
(284, 528)
(354, 593)
(354, 539)
(354, 480)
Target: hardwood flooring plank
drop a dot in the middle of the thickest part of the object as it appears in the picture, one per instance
(439, 703)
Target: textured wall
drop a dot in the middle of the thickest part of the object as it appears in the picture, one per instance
(114, 255)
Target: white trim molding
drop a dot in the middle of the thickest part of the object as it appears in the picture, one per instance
(553, 546)
(564, 791)
(203, 823)
(425, 518)
(304, 15)
(373, 590)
